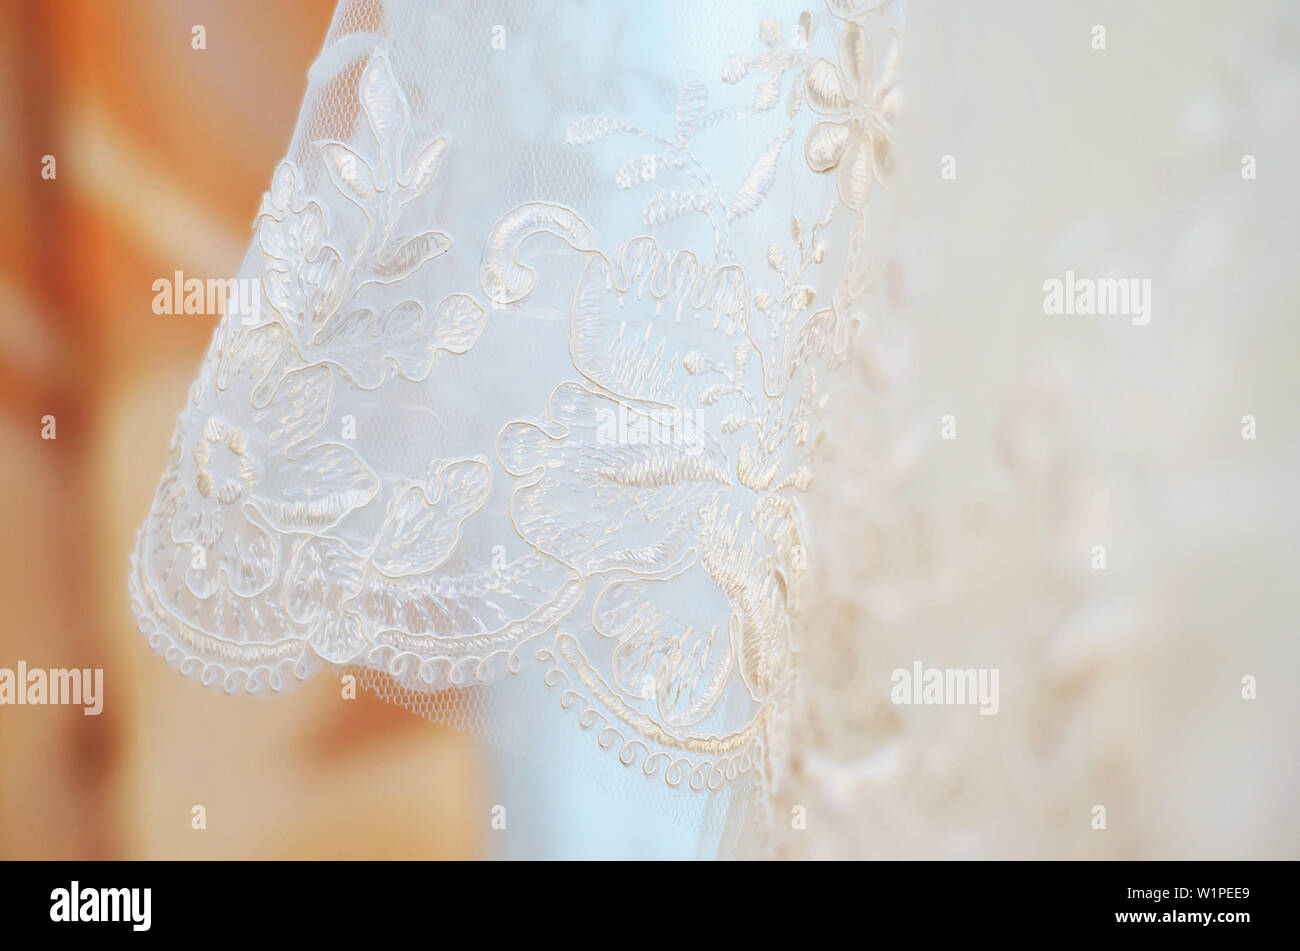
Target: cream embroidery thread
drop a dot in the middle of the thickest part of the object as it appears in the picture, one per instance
(244, 577)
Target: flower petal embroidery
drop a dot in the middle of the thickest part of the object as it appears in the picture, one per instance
(825, 145)
(683, 666)
(322, 574)
(315, 491)
(855, 171)
(297, 408)
(741, 568)
(424, 526)
(855, 59)
(607, 499)
(231, 546)
(826, 92)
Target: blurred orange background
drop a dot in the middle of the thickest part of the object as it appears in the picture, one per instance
(162, 153)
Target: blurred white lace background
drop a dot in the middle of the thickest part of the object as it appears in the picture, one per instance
(1119, 687)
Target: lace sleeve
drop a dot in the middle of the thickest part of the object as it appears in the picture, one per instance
(549, 303)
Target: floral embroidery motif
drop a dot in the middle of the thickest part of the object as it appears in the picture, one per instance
(777, 60)
(700, 193)
(230, 489)
(655, 494)
(250, 482)
(329, 309)
(705, 514)
(325, 577)
(857, 138)
(252, 488)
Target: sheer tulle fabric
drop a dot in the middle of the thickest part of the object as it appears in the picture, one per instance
(552, 298)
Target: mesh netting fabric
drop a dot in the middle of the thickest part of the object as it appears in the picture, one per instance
(552, 298)
(560, 800)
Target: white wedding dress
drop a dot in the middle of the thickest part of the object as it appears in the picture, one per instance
(553, 295)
